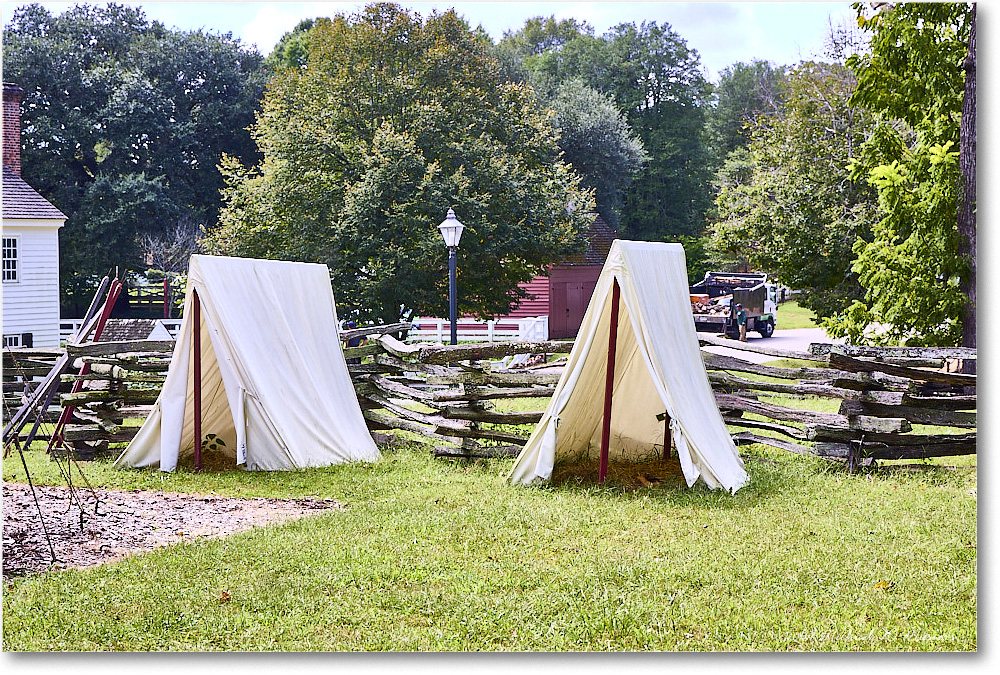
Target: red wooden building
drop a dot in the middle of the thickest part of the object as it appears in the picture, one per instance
(563, 296)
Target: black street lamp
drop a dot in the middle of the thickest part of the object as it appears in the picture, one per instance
(451, 230)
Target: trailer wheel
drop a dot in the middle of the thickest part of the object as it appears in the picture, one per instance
(766, 328)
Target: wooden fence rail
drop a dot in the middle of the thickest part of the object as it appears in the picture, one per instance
(883, 392)
(892, 405)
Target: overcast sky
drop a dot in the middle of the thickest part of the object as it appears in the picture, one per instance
(722, 32)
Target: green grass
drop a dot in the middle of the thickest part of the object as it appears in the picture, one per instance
(442, 555)
(790, 315)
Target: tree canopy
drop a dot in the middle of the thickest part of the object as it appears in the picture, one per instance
(786, 204)
(911, 267)
(657, 81)
(123, 126)
(598, 143)
(745, 94)
(393, 120)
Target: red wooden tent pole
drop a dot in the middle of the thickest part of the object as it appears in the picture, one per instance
(166, 297)
(196, 320)
(666, 436)
(57, 438)
(609, 383)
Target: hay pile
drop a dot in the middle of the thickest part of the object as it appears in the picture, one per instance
(628, 477)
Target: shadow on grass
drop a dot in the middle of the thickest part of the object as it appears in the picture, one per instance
(664, 481)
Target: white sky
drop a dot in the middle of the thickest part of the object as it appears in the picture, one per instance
(722, 32)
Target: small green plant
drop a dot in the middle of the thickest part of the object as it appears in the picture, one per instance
(212, 442)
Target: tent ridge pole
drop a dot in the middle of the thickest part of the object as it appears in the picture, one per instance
(196, 306)
(609, 383)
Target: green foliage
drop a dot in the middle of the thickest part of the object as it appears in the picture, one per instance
(292, 50)
(657, 81)
(212, 443)
(595, 135)
(124, 122)
(786, 202)
(598, 143)
(698, 256)
(746, 93)
(911, 266)
(394, 120)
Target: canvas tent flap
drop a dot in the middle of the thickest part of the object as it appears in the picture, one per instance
(658, 369)
(275, 385)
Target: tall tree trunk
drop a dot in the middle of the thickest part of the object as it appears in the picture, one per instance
(967, 207)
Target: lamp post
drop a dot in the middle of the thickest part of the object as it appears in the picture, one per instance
(451, 230)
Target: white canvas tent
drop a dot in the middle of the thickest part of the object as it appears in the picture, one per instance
(657, 369)
(274, 382)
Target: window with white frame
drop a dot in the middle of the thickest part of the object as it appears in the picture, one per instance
(12, 341)
(10, 259)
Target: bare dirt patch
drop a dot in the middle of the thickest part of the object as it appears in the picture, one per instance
(117, 524)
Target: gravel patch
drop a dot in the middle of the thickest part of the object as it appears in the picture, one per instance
(116, 524)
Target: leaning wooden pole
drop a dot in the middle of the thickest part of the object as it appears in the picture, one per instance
(609, 383)
(57, 439)
(196, 320)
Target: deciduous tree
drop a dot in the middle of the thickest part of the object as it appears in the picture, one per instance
(658, 83)
(124, 123)
(912, 267)
(746, 92)
(786, 203)
(598, 143)
(394, 120)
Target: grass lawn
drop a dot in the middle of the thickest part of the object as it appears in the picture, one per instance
(790, 315)
(443, 555)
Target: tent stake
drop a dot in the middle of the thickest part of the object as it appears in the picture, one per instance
(609, 383)
(196, 305)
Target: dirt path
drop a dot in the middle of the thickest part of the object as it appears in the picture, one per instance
(125, 523)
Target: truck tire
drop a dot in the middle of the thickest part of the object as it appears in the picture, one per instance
(765, 328)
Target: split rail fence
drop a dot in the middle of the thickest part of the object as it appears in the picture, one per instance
(121, 380)
(883, 393)
(446, 394)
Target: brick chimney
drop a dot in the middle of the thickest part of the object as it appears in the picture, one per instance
(12, 95)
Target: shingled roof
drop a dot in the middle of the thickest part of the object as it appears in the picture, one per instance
(599, 240)
(116, 330)
(20, 200)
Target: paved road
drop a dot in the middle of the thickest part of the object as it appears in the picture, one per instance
(795, 339)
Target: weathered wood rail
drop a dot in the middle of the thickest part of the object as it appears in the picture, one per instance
(894, 403)
(447, 393)
(883, 392)
(121, 375)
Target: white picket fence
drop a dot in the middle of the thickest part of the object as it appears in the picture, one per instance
(532, 329)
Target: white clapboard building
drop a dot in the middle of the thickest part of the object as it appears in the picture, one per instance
(30, 245)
